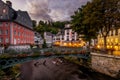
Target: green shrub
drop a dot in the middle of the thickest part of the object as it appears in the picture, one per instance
(5, 56)
(2, 74)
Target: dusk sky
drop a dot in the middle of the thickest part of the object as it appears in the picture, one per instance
(56, 10)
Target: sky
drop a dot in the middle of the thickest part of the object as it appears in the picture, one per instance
(53, 10)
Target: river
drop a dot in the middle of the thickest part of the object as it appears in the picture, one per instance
(58, 69)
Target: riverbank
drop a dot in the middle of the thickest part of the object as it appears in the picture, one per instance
(87, 69)
(58, 69)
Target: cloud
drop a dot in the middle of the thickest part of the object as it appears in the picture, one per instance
(56, 10)
(38, 9)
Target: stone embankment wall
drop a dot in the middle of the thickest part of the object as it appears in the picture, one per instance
(106, 64)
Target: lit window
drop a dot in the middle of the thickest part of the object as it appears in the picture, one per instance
(108, 40)
(116, 40)
(111, 40)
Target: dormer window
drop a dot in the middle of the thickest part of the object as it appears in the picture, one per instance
(4, 10)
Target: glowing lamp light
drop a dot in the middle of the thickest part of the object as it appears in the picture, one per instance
(108, 46)
(70, 44)
(57, 43)
(116, 40)
(108, 40)
(116, 48)
(75, 44)
(98, 46)
(65, 44)
(79, 44)
(111, 40)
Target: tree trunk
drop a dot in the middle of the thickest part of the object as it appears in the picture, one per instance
(89, 44)
(105, 42)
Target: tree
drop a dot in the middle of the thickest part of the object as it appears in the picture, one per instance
(108, 16)
(59, 24)
(103, 15)
(41, 27)
(44, 44)
(34, 22)
(81, 23)
(52, 27)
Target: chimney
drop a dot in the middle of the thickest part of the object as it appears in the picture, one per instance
(9, 3)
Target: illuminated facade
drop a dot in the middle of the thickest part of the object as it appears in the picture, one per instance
(112, 40)
(67, 37)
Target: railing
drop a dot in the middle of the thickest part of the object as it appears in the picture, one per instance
(37, 53)
(8, 62)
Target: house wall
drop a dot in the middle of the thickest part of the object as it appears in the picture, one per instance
(15, 35)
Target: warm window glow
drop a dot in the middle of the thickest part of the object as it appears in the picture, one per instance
(116, 40)
(65, 44)
(108, 40)
(98, 46)
(116, 48)
(108, 46)
(57, 43)
(111, 40)
(70, 44)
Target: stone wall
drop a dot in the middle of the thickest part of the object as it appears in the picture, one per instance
(19, 48)
(106, 64)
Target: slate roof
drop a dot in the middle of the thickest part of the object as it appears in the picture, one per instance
(20, 17)
(49, 34)
(61, 32)
(24, 19)
(6, 12)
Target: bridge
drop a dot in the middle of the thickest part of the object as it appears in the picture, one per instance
(11, 61)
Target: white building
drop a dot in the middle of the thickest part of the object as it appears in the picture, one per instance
(38, 40)
(59, 36)
(48, 36)
(66, 36)
(69, 34)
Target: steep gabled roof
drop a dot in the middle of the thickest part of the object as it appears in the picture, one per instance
(6, 12)
(24, 19)
(20, 17)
